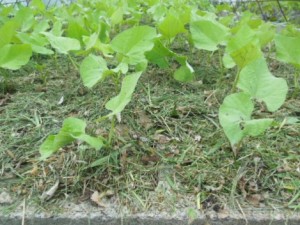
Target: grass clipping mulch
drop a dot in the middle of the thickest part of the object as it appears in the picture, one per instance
(169, 145)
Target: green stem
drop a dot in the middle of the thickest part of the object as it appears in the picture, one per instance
(112, 130)
(296, 84)
(221, 63)
(236, 80)
(73, 62)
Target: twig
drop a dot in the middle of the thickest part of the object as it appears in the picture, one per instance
(280, 8)
(24, 212)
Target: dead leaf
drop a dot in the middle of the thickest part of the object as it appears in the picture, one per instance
(61, 100)
(5, 100)
(97, 197)
(5, 198)
(252, 187)
(223, 213)
(161, 139)
(49, 194)
(197, 138)
(147, 159)
(255, 199)
(144, 120)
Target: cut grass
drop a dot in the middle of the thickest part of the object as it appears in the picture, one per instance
(169, 149)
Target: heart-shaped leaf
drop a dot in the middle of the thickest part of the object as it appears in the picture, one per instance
(92, 70)
(288, 49)
(256, 80)
(14, 56)
(235, 118)
(71, 130)
(134, 42)
(62, 44)
(171, 26)
(207, 34)
(118, 103)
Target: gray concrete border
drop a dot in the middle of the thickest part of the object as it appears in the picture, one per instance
(86, 214)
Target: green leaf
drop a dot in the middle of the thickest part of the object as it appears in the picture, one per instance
(184, 73)
(62, 44)
(245, 36)
(207, 34)
(92, 70)
(171, 26)
(36, 41)
(118, 103)
(14, 56)
(256, 80)
(37, 4)
(76, 29)
(71, 130)
(73, 126)
(7, 31)
(256, 127)
(134, 42)
(96, 143)
(246, 54)
(25, 18)
(117, 16)
(159, 55)
(287, 49)
(265, 33)
(90, 41)
(235, 118)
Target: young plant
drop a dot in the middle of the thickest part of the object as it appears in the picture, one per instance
(72, 129)
(288, 51)
(257, 84)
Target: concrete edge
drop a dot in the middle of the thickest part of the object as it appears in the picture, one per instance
(86, 214)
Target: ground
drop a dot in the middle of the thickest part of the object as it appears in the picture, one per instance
(168, 145)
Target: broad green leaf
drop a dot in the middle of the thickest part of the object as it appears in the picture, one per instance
(288, 49)
(235, 118)
(71, 130)
(256, 127)
(73, 126)
(7, 31)
(118, 103)
(158, 11)
(57, 29)
(36, 41)
(117, 16)
(207, 34)
(171, 26)
(41, 26)
(96, 143)
(37, 4)
(265, 33)
(62, 44)
(257, 80)
(14, 56)
(159, 55)
(245, 36)
(25, 18)
(184, 73)
(90, 41)
(92, 70)
(76, 29)
(48, 147)
(134, 42)
(246, 54)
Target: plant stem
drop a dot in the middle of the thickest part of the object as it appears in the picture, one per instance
(221, 63)
(112, 130)
(73, 62)
(281, 10)
(237, 77)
